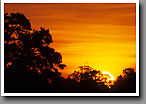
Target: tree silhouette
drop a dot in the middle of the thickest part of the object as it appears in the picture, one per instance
(125, 83)
(89, 80)
(30, 64)
(85, 73)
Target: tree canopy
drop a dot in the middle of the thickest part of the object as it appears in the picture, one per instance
(27, 52)
(31, 65)
(126, 82)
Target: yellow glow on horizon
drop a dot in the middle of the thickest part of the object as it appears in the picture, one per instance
(112, 77)
(102, 36)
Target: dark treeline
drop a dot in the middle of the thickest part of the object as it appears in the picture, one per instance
(31, 65)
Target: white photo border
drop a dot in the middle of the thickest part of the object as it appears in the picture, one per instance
(70, 94)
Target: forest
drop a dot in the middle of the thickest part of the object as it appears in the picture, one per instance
(31, 65)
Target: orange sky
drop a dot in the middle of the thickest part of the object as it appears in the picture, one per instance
(100, 35)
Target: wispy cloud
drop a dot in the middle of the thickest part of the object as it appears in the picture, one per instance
(101, 35)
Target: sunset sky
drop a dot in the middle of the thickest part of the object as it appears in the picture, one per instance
(102, 36)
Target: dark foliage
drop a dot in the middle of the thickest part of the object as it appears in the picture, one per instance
(125, 83)
(89, 80)
(31, 65)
